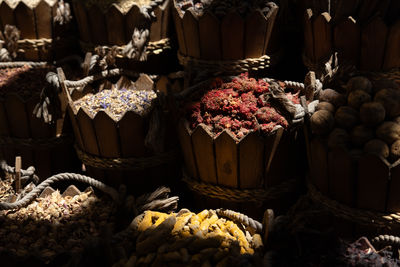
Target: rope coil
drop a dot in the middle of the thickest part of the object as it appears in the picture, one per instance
(240, 195)
(45, 143)
(141, 163)
(152, 48)
(359, 216)
(241, 65)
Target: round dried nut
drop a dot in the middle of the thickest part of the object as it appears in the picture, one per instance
(361, 134)
(389, 132)
(322, 122)
(359, 83)
(338, 137)
(346, 117)
(358, 97)
(395, 151)
(325, 106)
(332, 96)
(372, 113)
(377, 147)
(378, 85)
(397, 119)
(390, 99)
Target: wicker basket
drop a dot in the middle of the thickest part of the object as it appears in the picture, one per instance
(114, 150)
(45, 146)
(248, 174)
(41, 37)
(231, 42)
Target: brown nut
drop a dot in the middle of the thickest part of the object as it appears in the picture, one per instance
(359, 83)
(372, 113)
(377, 147)
(322, 122)
(346, 117)
(395, 151)
(378, 85)
(332, 96)
(388, 131)
(390, 99)
(361, 134)
(325, 106)
(358, 97)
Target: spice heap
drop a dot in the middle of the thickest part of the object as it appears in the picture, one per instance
(24, 81)
(6, 189)
(189, 239)
(125, 5)
(53, 225)
(117, 101)
(363, 116)
(240, 106)
(221, 7)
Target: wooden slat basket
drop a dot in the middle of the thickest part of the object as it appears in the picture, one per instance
(231, 42)
(114, 25)
(364, 34)
(115, 150)
(246, 174)
(46, 146)
(356, 187)
(42, 37)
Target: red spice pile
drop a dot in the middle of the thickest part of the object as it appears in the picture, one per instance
(240, 106)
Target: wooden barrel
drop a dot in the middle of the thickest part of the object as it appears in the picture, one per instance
(45, 146)
(115, 150)
(42, 37)
(208, 39)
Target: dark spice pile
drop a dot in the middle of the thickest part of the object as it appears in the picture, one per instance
(24, 81)
(241, 106)
(220, 8)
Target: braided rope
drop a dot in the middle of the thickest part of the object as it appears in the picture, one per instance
(152, 48)
(386, 240)
(240, 65)
(45, 143)
(26, 175)
(18, 64)
(98, 76)
(141, 163)
(289, 84)
(56, 178)
(240, 218)
(35, 44)
(359, 216)
(240, 195)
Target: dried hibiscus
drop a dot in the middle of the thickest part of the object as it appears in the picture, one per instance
(241, 105)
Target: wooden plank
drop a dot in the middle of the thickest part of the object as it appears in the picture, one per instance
(108, 143)
(40, 130)
(18, 165)
(393, 204)
(226, 155)
(75, 128)
(319, 163)
(7, 14)
(342, 173)
(82, 21)
(232, 36)
(89, 139)
(373, 43)
(372, 183)
(347, 35)
(271, 16)
(392, 51)
(132, 135)
(191, 32)
(322, 37)
(187, 149)
(44, 20)
(251, 161)
(209, 30)
(393, 12)
(203, 148)
(25, 19)
(367, 10)
(19, 126)
(115, 26)
(256, 28)
(179, 31)
(133, 19)
(97, 25)
(309, 35)
(344, 9)
(155, 28)
(165, 25)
